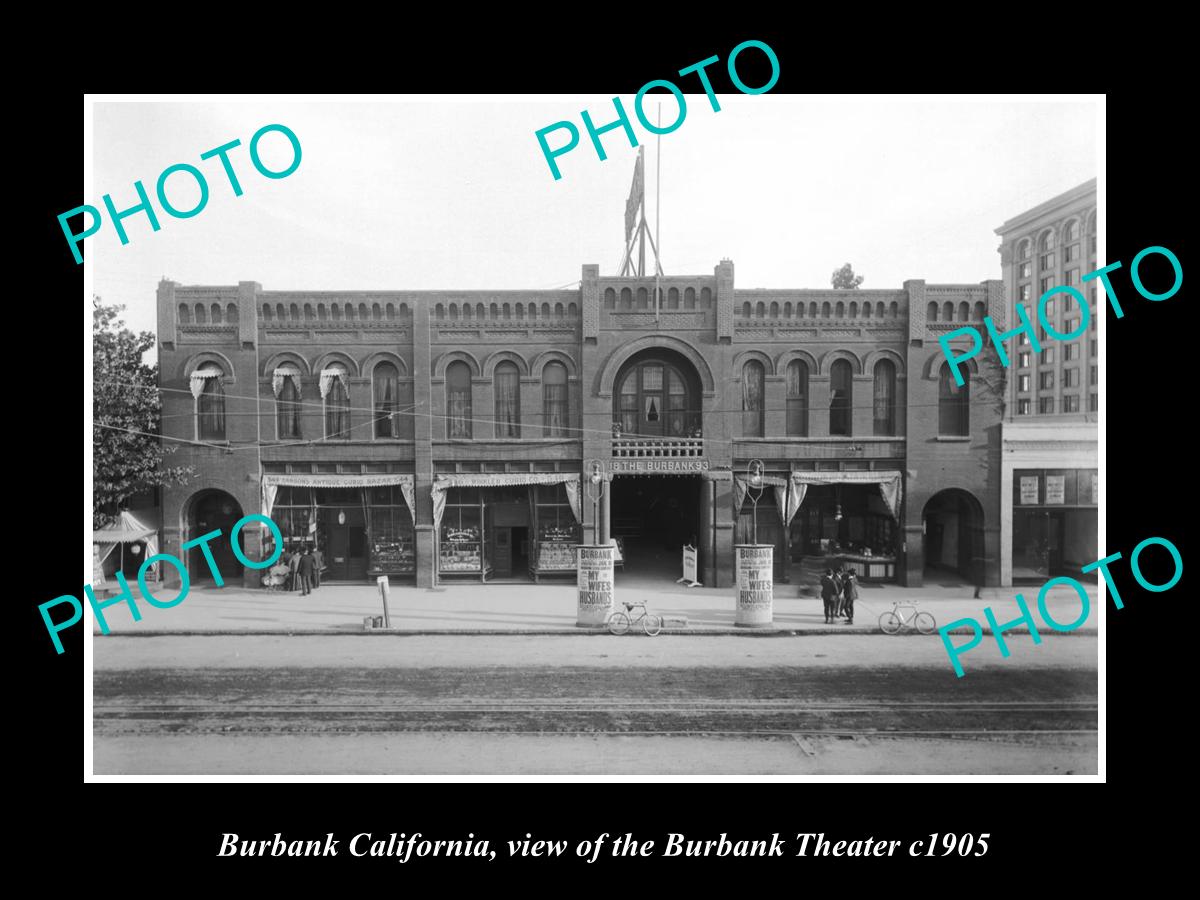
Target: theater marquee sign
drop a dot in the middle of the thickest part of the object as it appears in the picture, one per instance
(660, 466)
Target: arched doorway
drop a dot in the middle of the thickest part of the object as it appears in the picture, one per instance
(210, 510)
(953, 524)
(656, 491)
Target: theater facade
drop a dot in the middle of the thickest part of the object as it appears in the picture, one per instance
(446, 436)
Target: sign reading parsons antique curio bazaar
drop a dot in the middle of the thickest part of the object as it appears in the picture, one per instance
(659, 465)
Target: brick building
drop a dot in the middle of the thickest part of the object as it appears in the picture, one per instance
(441, 435)
(1049, 490)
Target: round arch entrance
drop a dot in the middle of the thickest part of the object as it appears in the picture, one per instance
(953, 524)
(207, 511)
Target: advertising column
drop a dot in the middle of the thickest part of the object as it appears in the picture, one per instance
(753, 585)
(594, 577)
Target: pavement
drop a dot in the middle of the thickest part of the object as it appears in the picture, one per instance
(550, 608)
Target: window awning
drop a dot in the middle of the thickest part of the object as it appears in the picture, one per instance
(443, 483)
(327, 376)
(285, 371)
(272, 483)
(789, 492)
(200, 376)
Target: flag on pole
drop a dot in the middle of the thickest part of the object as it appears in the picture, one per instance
(636, 194)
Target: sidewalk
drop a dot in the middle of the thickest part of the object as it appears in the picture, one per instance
(524, 608)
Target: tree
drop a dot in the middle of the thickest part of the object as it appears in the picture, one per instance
(127, 455)
(845, 279)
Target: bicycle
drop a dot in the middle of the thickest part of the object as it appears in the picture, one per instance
(892, 622)
(619, 622)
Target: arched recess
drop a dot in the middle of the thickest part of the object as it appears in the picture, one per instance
(376, 358)
(608, 373)
(658, 395)
(194, 362)
(745, 356)
(828, 358)
(931, 368)
(952, 522)
(875, 355)
(204, 511)
(439, 366)
(489, 364)
(275, 360)
(781, 361)
(336, 356)
(548, 356)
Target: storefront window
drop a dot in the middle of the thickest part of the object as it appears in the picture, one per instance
(1055, 522)
(557, 529)
(461, 541)
(390, 533)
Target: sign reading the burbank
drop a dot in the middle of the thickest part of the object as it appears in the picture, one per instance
(659, 465)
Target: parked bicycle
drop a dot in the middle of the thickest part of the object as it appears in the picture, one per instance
(619, 622)
(892, 622)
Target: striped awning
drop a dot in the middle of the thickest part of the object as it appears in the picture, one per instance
(200, 376)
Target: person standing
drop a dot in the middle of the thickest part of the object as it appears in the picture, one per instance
(293, 567)
(318, 567)
(829, 594)
(306, 569)
(838, 577)
(849, 595)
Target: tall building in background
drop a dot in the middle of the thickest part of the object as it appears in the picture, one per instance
(1049, 478)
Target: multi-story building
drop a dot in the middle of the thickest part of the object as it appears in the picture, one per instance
(442, 435)
(1049, 491)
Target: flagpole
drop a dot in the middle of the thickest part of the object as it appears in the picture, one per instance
(657, 216)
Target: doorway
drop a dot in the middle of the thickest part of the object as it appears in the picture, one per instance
(343, 542)
(213, 510)
(652, 518)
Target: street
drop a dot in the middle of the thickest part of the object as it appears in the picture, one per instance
(590, 705)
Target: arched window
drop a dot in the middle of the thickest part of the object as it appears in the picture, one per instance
(894, 309)
(201, 314)
(931, 314)
(285, 382)
(953, 402)
(753, 383)
(797, 398)
(689, 298)
(231, 314)
(879, 310)
(746, 310)
(1072, 231)
(840, 310)
(643, 298)
(964, 311)
(386, 379)
(554, 400)
(812, 310)
(825, 309)
(948, 311)
(506, 382)
(866, 310)
(216, 313)
(626, 298)
(654, 398)
(705, 297)
(774, 310)
(458, 399)
(210, 402)
(335, 390)
(760, 309)
(185, 314)
(841, 397)
(268, 315)
(610, 299)
(980, 310)
(1046, 242)
(885, 397)
(673, 298)
(853, 309)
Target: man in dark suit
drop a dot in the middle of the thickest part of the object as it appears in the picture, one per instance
(849, 595)
(318, 567)
(829, 594)
(307, 567)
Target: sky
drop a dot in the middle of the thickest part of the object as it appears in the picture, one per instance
(444, 193)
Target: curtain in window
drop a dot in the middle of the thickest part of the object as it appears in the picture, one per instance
(797, 398)
(287, 407)
(336, 392)
(387, 395)
(752, 399)
(554, 399)
(507, 384)
(458, 400)
(840, 397)
(210, 406)
(885, 397)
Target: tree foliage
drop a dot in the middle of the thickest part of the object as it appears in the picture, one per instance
(845, 279)
(124, 396)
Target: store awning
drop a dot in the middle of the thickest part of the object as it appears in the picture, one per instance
(789, 492)
(287, 370)
(125, 529)
(443, 483)
(272, 483)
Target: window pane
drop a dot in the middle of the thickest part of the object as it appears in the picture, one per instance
(885, 397)
(211, 409)
(752, 399)
(797, 398)
(507, 383)
(953, 403)
(554, 399)
(387, 397)
(458, 400)
(840, 398)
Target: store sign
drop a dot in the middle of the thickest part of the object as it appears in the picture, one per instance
(1029, 489)
(689, 568)
(1056, 489)
(667, 466)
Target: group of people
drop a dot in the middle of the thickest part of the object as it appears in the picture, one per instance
(839, 590)
(299, 570)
